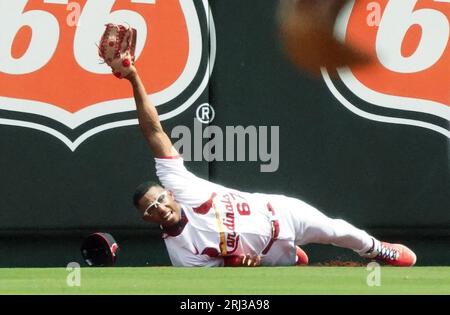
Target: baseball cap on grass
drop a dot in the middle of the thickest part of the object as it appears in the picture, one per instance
(99, 250)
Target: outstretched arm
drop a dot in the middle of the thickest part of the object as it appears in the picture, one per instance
(149, 122)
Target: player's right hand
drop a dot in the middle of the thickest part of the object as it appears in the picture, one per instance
(242, 261)
(251, 261)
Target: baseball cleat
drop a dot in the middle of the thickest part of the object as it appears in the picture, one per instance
(301, 257)
(393, 254)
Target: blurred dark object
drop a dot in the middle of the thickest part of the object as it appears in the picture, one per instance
(307, 33)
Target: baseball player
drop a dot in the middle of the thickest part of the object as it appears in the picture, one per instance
(206, 224)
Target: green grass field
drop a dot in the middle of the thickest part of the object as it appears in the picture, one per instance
(248, 281)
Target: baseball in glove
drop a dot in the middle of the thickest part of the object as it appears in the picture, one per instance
(99, 250)
(117, 48)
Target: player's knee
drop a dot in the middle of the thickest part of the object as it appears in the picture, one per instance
(340, 228)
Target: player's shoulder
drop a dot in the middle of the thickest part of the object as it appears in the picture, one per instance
(175, 159)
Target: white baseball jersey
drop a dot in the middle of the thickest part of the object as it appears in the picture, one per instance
(220, 221)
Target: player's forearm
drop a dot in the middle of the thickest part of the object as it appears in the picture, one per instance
(147, 113)
(149, 122)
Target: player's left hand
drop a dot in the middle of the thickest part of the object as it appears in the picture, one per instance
(117, 48)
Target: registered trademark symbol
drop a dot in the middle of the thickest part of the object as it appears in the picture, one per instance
(205, 113)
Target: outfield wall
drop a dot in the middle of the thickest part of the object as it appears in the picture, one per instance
(392, 180)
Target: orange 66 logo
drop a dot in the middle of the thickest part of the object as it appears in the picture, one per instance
(51, 78)
(410, 82)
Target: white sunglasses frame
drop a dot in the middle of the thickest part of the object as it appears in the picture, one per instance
(156, 202)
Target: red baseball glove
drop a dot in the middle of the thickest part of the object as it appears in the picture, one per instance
(117, 47)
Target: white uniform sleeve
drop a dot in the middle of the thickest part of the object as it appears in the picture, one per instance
(183, 257)
(187, 188)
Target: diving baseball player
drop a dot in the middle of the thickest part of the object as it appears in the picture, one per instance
(206, 224)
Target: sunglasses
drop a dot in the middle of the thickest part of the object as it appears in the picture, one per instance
(158, 201)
